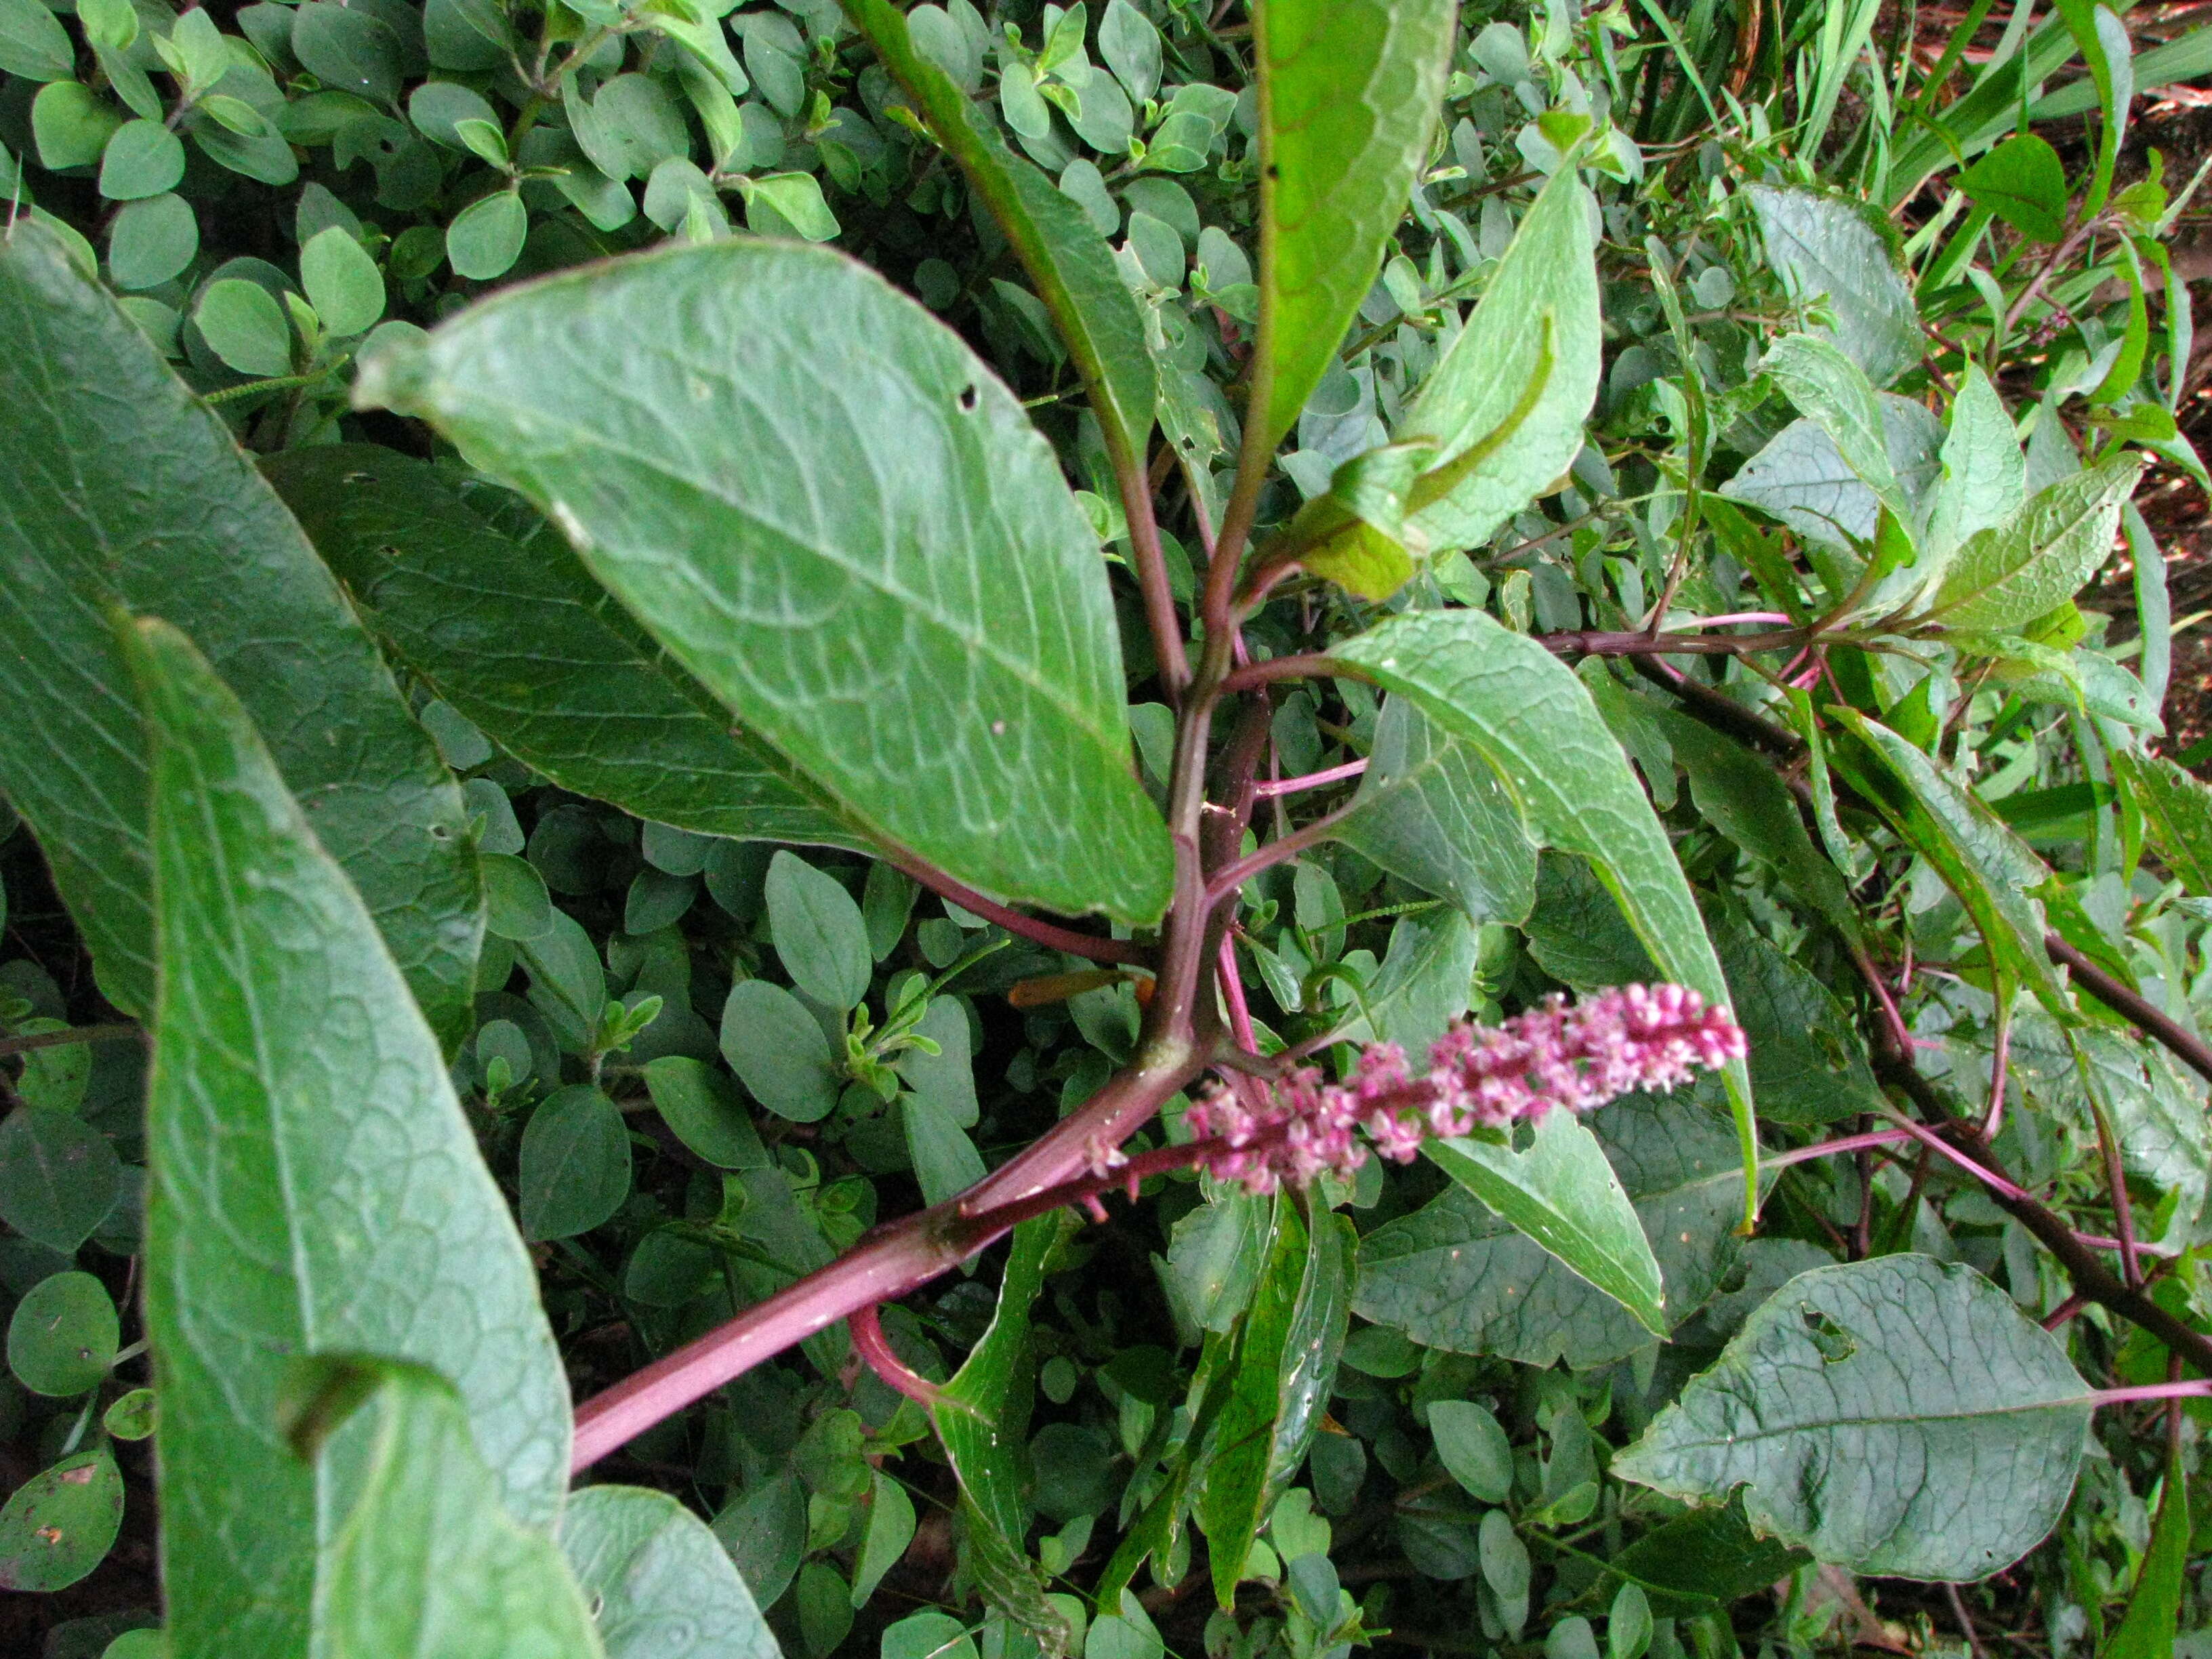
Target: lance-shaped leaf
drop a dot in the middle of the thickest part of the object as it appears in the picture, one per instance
(1458, 1275)
(1066, 257)
(2006, 576)
(125, 489)
(1990, 869)
(659, 1583)
(1984, 477)
(1560, 1191)
(1349, 91)
(1286, 1356)
(1896, 1416)
(515, 633)
(1526, 713)
(1431, 811)
(1519, 381)
(982, 1418)
(833, 514)
(2177, 811)
(1834, 393)
(1743, 798)
(423, 1561)
(2149, 1628)
(312, 1186)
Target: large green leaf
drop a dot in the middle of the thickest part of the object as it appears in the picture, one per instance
(659, 1584)
(423, 1561)
(1808, 1059)
(125, 489)
(515, 633)
(1834, 393)
(1349, 92)
(1285, 1361)
(982, 1418)
(2177, 810)
(1066, 257)
(1800, 477)
(833, 515)
(312, 1186)
(1542, 302)
(1984, 477)
(1456, 1275)
(1560, 1191)
(2006, 576)
(1896, 1416)
(1526, 713)
(1990, 869)
(1826, 249)
(1431, 811)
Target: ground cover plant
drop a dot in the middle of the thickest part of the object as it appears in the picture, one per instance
(1115, 830)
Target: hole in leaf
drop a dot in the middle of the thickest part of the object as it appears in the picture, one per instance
(970, 397)
(1834, 1342)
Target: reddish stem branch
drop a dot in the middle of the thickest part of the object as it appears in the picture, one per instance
(1310, 781)
(1028, 927)
(2155, 1022)
(1310, 666)
(1274, 852)
(874, 1347)
(1592, 642)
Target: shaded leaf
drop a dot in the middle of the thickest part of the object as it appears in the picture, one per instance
(130, 492)
(1455, 1275)
(1895, 1416)
(1431, 812)
(2177, 810)
(515, 633)
(59, 1525)
(658, 1583)
(1560, 1191)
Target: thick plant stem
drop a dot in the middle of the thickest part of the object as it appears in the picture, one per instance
(114, 1033)
(2181, 1043)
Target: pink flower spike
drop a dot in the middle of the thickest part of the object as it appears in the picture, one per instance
(1579, 1056)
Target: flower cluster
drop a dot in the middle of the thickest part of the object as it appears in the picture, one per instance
(1579, 1056)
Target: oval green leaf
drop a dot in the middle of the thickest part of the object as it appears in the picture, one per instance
(901, 595)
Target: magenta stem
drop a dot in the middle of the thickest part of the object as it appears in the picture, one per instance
(1028, 927)
(1232, 991)
(2184, 1389)
(1829, 1148)
(1310, 781)
(1274, 852)
(1934, 1142)
(1313, 667)
(873, 1346)
(1737, 616)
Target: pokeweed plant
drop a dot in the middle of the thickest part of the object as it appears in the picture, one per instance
(1482, 431)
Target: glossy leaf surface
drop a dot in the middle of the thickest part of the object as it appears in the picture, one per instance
(1347, 103)
(902, 597)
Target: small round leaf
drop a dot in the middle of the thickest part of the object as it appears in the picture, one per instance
(151, 242)
(246, 327)
(59, 1178)
(60, 1523)
(342, 281)
(132, 1417)
(63, 1338)
(486, 238)
(143, 159)
(575, 1165)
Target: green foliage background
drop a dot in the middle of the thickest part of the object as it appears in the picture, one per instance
(1834, 315)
